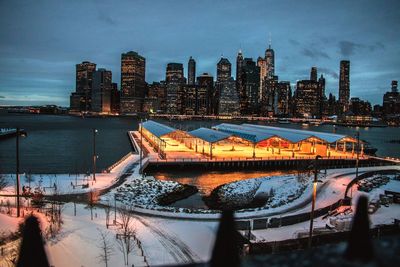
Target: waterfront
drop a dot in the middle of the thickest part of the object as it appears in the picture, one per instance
(63, 144)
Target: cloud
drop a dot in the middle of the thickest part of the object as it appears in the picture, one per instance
(314, 54)
(1, 96)
(348, 48)
(329, 72)
(107, 19)
(294, 42)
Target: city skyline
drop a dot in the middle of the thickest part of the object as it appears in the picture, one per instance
(38, 63)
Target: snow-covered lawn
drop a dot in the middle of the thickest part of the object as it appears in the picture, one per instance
(164, 242)
(278, 190)
(50, 184)
(144, 192)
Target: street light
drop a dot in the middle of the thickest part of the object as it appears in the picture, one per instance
(313, 199)
(141, 146)
(358, 155)
(22, 134)
(94, 154)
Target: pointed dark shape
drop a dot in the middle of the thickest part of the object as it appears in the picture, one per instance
(226, 250)
(32, 253)
(360, 245)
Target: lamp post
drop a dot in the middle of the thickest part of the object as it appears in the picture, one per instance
(141, 146)
(19, 133)
(94, 154)
(357, 159)
(313, 199)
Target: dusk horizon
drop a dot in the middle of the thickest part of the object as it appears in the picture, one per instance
(41, 47)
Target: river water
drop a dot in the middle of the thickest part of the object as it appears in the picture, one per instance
(64, 144)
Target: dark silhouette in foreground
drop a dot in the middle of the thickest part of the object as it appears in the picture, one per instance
(360, 245)
(32, 253)
(226, 251)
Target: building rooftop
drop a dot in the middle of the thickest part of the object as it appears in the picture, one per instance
(209, 135)
(157, 129)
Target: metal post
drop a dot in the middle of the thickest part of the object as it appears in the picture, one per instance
(17, 172)
(314, 197)
(141, 146)
(94, 154)
(358, 155)
(115, 208)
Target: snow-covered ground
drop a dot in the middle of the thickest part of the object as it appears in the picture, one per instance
(384, 215)
(164, 242)
(68, 183)
(144, 192)
(279, 190)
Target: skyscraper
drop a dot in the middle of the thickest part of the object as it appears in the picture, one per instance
(133, 83)
(344, 85)
(239, 66)
(270, 59)
(249, 87)
(313, 74)
(391, 102)
(175, 80)
(284, 94)
(191, 71)
(82, 98)
(101, 91)
(306, 99)
(206, 84)
(394, 87)
(262, 63)
(228, 100)
(224, 70)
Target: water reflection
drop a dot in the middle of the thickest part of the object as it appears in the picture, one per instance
(206, 181)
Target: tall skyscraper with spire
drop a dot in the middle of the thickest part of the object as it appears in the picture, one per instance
(344, 85)
(191, 71)
(270, 59)
(239, 65)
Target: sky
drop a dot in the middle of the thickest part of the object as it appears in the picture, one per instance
(41, 41)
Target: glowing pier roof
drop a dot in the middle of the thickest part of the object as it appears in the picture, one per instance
(209, 135)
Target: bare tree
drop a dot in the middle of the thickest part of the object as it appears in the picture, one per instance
(126, 233)
(107, 210)
(29, 179)
(3, 181)
(107, 249)
(92, 200)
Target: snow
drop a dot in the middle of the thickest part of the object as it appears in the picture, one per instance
(70, 183)
(144, 192)
(164, 241)
(169, 241)
(9, 224)
(284, 189)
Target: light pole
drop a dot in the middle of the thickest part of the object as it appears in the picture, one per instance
(19, 133)
(357, 159)
(313, 199)
(141, 146)
(94, 154)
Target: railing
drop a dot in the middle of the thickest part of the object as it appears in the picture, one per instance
(109, 169)
(232, 159)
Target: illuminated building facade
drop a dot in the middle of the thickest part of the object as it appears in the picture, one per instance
(191, 71)
(133, 84)
(101, 91)
(344, 85)
(174, 80)
(81, 100)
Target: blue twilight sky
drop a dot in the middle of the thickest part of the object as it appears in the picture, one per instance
(41, 41)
